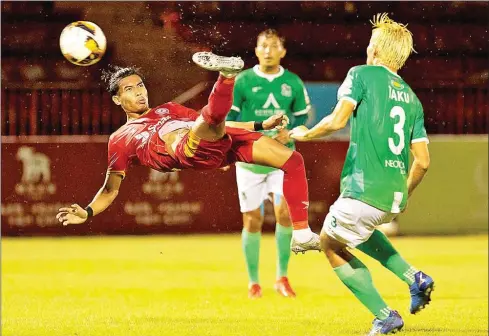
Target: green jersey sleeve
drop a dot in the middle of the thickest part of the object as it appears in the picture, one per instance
(302, 103)
(352, 88)
(419, 131)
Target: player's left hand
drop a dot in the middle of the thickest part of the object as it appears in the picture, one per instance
(72, 215)
(277, 121)
(298, 133)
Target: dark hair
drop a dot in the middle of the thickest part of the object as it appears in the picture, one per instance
(272, 32)
(115, 73)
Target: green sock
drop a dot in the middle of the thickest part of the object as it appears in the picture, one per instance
(356, 276)
(283, 236)
(381, 249)
(251, 249)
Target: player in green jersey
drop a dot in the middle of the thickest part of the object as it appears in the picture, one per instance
(260, 92)
(386, 122)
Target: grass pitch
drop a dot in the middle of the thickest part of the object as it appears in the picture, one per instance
(197, 285)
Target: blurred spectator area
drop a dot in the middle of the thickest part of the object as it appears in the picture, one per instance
(324, 39)
(30, 47)
(44, 94)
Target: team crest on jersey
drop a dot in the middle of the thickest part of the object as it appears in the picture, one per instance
(162, 111)
(397, 85)
(286, 90)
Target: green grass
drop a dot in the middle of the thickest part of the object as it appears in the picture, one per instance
(197, 285)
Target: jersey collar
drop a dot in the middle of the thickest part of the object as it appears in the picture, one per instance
(270, 78)
(392, 72)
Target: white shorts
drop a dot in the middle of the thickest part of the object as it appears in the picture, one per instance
(253, 188)
(352, 222)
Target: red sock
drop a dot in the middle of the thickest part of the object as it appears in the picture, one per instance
(296, 191)
(220, 101)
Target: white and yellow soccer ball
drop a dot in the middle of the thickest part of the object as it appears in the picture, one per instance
(82, 43)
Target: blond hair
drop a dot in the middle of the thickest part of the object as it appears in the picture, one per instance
(393, 41)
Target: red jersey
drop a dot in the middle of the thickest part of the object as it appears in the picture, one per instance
(138, 141)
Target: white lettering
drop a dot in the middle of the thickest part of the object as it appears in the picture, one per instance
(399, 96)
(268, 113)
(398, 164)
(392, 94)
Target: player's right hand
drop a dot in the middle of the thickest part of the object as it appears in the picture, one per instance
(298, 133)
(75, 214)
(277, 121)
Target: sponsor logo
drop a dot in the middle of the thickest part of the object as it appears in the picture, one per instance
(36, 174)
(395, 164)
(256, 89)
(421, 279)
(163, 185)
(396, 85)
(271, 101)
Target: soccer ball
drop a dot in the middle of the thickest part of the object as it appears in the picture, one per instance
(82, 43)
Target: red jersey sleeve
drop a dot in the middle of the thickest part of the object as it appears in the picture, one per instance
(118, 160)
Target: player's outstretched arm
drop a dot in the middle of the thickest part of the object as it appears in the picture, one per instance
(105, 196)
(335, 121)
(420, 165)
(277, 121)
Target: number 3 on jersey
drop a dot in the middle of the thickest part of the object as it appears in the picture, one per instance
(398, 129)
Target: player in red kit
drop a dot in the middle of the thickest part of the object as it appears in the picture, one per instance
(172, 137)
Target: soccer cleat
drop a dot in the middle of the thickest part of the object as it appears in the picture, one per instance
(421, 290)
(310, 245)
(283, 287)
(392, 324)
(227, 66)
(254, 292)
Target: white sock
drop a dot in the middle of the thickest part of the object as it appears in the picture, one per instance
(302, 235)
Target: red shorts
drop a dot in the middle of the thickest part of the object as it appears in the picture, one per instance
(236, 145)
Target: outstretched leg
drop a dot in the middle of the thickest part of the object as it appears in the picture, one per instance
(269, 152)
(356, 276)
(210, 126)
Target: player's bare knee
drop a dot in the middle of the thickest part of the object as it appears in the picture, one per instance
(253, 220)
(324, 242)
(283, 217)
(269, 152)
(329, 244)
(208, 132)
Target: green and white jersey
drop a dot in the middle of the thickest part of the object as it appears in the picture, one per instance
(258, 96)
(387, 119)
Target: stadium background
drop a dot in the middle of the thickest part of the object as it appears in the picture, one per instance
(50, 106)
(56, 119)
